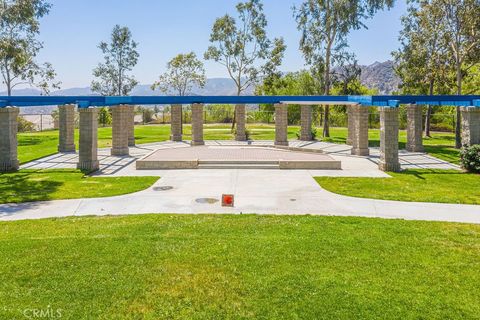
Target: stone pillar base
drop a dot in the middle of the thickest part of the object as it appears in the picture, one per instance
(306, 123)
(470, 125)
(281, 125)
(197, 125)
(66, 126)
(414, 129)
(392, 167)
(120, 130)
(389, 139)
(415, 148)
(120, 151)
(9, 166)
(360, 152)
(176, 138)
(8, 139)
(240, 134)
(88, 166)
(240, 137)
(67, 148)
(359, 127)
(87, 147)
(176, 123)
(197, 143)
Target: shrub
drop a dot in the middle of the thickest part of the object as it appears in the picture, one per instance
(24, 125)
(104, 117)
(313, 133)
(471, 158)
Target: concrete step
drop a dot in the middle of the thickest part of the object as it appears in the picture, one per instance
(246, 162)
(238, 166)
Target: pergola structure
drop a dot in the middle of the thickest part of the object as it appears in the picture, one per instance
(123, 121)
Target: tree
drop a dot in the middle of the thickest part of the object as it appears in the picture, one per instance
(183, 72)
(422, 62)
(120, 57)
(460, 23)
(19, 26)
(243, 46)
(325, 25)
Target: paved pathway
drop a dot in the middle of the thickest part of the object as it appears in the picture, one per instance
(256, 191)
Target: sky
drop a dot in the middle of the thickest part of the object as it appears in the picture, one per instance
(163, 28)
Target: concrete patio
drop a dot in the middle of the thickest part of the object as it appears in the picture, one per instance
(256, 191)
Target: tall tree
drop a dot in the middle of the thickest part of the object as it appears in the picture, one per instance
(422, 62)
(120, 57)
(325, 25)
(183, 73)
(242, 46)
(19, 26)
(461, 25)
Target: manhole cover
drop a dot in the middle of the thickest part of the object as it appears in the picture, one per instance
(206, 200)
(164, 188)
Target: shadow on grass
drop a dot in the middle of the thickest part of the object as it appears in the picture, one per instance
(32, 141)
(28, 186)
(419, 174)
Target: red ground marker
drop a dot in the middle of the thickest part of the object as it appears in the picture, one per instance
(227, 200)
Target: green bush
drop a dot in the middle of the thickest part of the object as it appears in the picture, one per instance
(25, 125)
(313, 132)
(471, 158)
(104, 117)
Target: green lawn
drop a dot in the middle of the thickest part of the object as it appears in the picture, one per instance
(443, 186)
(37, 145)
(237, 267)
(36, 185)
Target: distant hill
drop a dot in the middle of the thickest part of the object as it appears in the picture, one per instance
(380, 76)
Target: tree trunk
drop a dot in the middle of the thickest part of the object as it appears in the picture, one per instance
(234, 120)
(458, 138)
(326, 124)
(427, 121)
(429, 112)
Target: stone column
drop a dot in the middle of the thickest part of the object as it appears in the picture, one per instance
(176, 123)
(131, 126)
(414, 128)
(66, 126)
(360, 130)
(350, 126)
(8, 139)
(389, 139)
(87, 148)
(306, 123)
(120, 130)
(470, 125)
(281, 125)
(240, 134)
(197, 125)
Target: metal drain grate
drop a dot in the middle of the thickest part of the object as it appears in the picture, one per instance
(206, 200)
(164, 188)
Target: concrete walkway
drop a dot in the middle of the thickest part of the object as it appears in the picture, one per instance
(256, 191)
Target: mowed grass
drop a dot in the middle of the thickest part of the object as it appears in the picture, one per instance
(37, 145)
(442, 186)
(37, 185)
(238, 267)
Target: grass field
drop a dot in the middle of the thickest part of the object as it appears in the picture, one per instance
(441, 186)
(36, 145)
(36, 185)
(234, 267)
